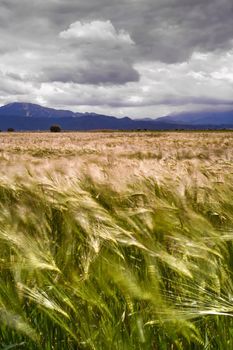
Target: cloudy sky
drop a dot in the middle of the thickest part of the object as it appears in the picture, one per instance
(140, 58)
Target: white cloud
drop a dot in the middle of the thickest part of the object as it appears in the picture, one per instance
(100, 31)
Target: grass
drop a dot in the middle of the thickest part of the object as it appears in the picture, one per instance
(107, 251)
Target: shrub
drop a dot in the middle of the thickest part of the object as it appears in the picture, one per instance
(55, 128)
(10, 129)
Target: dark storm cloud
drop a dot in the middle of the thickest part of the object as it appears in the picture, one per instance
(10, 86)
(145, 47)
(167, 30)
(93, 53)
(95, 73)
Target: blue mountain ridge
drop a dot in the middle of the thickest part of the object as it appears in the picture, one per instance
(215, 117)
(28, 116)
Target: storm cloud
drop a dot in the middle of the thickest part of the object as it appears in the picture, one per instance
(130, 57)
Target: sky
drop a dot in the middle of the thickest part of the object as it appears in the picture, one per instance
(136, 58)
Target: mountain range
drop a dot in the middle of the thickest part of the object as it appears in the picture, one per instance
(215, 118)
(28, 116)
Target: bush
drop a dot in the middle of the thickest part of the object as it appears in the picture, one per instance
(10, 129)
(55, 128)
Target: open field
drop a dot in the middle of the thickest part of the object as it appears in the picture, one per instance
(116, 240)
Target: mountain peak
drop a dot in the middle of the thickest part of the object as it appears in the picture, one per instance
(25, 109)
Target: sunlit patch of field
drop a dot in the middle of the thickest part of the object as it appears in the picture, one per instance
(112, 240)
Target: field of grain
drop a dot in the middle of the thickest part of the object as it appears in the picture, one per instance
(112, 240)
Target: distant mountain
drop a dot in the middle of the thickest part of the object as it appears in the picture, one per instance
(17, 109)
(28, 116)
(215, 118)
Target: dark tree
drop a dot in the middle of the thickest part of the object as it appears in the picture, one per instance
(55, 128)
(10, 129)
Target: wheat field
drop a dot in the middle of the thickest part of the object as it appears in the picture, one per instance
(113, 240)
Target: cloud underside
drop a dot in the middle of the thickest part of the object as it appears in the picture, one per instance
(130, 57)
